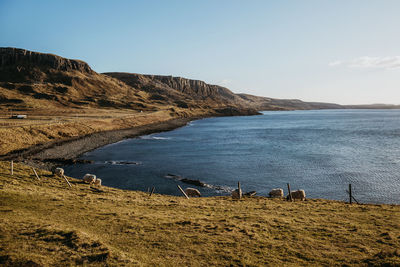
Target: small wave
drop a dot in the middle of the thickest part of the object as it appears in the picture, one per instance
(150, 137)
(161, 138)
(122, 162)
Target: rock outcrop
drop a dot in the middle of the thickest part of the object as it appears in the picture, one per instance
(195, 88)
(169, 88)
(18, 59)
(32, 80)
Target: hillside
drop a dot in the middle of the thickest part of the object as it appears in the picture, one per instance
(31, 80)
(46, 223)
(266, 103)
(65, 100)
(169, 89)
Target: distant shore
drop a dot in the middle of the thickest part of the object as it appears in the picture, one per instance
(61, 152)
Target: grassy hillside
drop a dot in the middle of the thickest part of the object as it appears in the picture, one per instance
(65, 98)
(47, 223)
(32, 80)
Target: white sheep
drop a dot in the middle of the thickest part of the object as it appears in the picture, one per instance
(278, 192)
(298, 194)
(97, 182)
(58, 172)
(192, 192)
(237, 194)
(89, 178)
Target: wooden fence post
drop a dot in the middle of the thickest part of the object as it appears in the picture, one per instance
(183, 192)
(350, 196)
(65, 178)
(290, 192)
(12, 167)
(239, 191)
(34, 171)
(152, 191)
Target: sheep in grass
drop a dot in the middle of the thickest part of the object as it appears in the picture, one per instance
(97, 182)
(192, 192)
(298, 194)
(89, 178)
(278, 192)
(58, 172)
(237, 194)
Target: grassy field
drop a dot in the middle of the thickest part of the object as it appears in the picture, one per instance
(42, 127)
(44, 222)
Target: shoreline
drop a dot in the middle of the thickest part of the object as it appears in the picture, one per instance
(66, 151)
(61, 152)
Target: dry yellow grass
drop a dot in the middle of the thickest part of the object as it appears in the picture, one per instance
(42, 127)
(47, 223)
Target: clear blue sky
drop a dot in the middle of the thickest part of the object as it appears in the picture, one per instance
(342, 51)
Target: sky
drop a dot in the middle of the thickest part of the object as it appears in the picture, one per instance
(342, 51)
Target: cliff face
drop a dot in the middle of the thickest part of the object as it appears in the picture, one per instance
(36, 80)
(170, 89)
(19, 59)
(195, 88)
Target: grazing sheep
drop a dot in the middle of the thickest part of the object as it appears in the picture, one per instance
(58, 172)
(97, 182)
(89, 178)
(237, 194)
(192, 192)
(278, 192)
(299, 194)
(250, 194)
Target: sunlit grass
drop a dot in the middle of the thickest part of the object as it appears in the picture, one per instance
(48, 223)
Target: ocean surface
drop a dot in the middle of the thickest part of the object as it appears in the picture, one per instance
(320, 151)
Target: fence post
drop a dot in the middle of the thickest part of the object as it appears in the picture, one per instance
(34, 171)
(290, 192)
(65, 178)
(12, 167)
(239, 190)
(350, 196)
(152, 191)
(183, 192)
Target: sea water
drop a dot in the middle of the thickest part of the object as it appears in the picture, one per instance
(320, 151)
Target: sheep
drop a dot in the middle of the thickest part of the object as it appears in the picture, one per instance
(58, 172)
(299, 194)
(97, 182)
(278, 192)
(192, 192)
(250, 194)
(237, 194)
(89, 178)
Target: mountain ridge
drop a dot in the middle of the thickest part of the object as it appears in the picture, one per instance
(32, 79)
